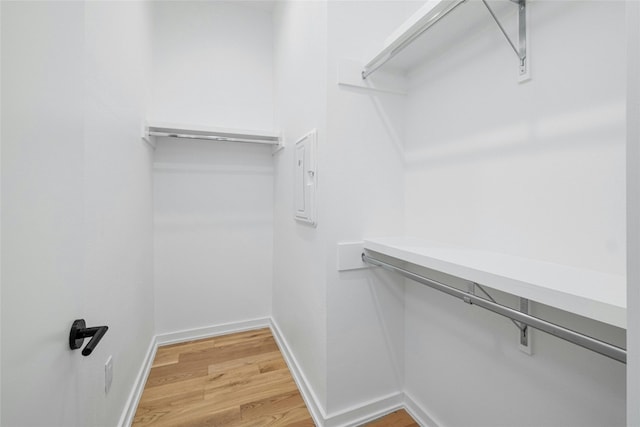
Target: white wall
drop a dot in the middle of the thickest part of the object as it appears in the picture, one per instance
(118, 289)
(76, 184)
(213, 210)
(213, 202)
(359, 192)
(212, 64)
(535, 170)
(299, 289)
(363, 180)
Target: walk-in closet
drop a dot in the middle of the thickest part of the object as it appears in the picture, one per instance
(320, 212)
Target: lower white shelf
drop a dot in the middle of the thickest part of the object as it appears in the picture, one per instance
(593, 294)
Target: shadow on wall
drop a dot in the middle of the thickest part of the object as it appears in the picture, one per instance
(383, 103)
(375, 280)
(572, 130)
(444, 329)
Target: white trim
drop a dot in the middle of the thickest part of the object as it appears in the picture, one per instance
(353, 416)
(138, 386)
(211, 331)
(308, 395)
(365, 412)
(418, 413)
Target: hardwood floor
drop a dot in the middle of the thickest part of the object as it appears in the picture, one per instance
(236, 380)
(399, 418)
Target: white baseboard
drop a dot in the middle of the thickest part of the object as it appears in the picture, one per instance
(365, 412)
(211, 331)
(418, 413)
(138, 386)
(350, 417)
(308, 395)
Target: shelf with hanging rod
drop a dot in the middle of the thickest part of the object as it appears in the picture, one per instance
(588, 293)
(209, 133)
(433, 12)
(521, 318)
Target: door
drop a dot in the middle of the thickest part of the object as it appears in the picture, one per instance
(42, 210)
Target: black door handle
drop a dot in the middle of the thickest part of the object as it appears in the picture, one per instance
(79, 332)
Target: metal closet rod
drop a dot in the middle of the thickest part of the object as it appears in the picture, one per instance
(214, 138)
(604, 348)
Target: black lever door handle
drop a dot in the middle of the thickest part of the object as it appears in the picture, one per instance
(79, 332)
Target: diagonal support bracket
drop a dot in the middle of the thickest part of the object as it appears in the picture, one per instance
(523, 330)
(520, 46)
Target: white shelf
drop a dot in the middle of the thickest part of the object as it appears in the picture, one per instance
(422, 37)
(190, 131)
(411, 29)
(588, 293)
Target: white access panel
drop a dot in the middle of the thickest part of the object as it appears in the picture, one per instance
(305, 178)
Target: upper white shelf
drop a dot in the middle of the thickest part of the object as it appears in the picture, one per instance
(589, 293)
(210, 133)
(409, 31)
(409, 45)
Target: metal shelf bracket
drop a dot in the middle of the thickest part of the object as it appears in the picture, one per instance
(523, 329)
(521, 49)
(525, 333)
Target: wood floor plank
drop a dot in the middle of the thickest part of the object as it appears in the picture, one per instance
(297, 415)
(272, 365)
(196, 395)
(399, 418)
(174, 390)
(235, 380)
(164, 358)
(230, 377)
(301, 423)
(221, 418)
(225, 353)
(243, 337)
(254, 388)
(271, 405)
(177, 349)
(244, 361)
(195, 414)
(176, 372)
